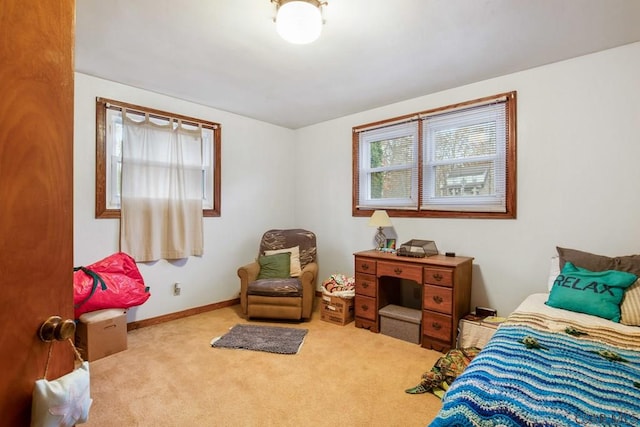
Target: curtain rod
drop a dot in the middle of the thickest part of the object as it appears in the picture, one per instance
(158, 115)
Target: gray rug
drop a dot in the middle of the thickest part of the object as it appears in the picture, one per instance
(271, 339)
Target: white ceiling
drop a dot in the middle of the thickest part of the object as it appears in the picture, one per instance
(226, 54)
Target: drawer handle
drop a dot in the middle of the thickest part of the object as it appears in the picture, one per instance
(438, 276)
(437, 326)
(437, 299)
(364, 307)
(397, 270)
(365, 285)
(365, 267)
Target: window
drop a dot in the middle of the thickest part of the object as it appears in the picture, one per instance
(109, 156)
(389, 173)
(455, 161)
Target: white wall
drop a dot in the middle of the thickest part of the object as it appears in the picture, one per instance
(578, 175)
(578, 145)
(256, 195)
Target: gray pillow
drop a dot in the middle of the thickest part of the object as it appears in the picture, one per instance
(593, 262)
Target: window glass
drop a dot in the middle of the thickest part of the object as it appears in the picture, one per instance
(109, 155)
(389, 177)
(464, 165)
(464, 159)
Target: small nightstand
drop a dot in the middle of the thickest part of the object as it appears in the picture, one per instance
(475, 332)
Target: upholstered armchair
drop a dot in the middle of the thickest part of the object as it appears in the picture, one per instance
(281, 283)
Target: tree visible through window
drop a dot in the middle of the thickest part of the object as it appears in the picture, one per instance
(455, 161)
(391, 169)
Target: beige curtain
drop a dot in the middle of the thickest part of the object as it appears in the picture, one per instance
(161, 196)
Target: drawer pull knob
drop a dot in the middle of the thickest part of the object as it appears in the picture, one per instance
(437, 276)
(365, 267)
(437, 299)
(437, 326)
(397, 270)
(364, 307)
(365, 285)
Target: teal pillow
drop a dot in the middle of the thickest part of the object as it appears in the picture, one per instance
(596, 293)
(274, 266)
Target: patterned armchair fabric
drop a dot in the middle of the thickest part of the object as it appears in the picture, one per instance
(267, 297)
(282, 239)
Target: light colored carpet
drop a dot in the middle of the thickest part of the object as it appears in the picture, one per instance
(171, 376)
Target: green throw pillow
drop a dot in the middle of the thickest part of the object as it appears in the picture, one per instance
(274, 266)
(596, 293)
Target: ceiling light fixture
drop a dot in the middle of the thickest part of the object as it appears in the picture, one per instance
(299, 21)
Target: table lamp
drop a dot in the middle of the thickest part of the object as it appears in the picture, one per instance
(380, 219)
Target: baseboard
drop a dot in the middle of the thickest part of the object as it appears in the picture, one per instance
(180, 314)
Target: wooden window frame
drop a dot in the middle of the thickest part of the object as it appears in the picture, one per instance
(102, 104)
(510, 167)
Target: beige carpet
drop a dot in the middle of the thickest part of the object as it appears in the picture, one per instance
(342, 376)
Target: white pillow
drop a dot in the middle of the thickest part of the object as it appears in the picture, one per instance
(554, 271)
(295, 270)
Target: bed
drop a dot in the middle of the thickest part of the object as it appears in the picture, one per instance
(549, 366)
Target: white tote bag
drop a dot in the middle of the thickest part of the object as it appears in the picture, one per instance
(63, 402)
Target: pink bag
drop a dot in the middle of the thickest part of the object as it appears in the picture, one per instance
(113, 282)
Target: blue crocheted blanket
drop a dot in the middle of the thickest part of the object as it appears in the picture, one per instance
(538, 371)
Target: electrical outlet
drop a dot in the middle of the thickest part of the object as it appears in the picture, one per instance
(176, 289)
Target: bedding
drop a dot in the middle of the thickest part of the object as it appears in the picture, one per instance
(546, 366)
(630, 307)
(597, 293)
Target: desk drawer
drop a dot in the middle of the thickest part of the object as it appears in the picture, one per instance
(365, 265)
(437, 326)
(437, 298)
(403, 271)
(438, 276)
(366, 307)
(366, 284)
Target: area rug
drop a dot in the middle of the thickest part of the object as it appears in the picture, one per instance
(271, 339)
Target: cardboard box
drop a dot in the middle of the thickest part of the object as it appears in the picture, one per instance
(401, 322)
(336, 310)
(101, 333)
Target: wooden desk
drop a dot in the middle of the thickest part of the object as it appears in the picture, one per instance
(446, 292)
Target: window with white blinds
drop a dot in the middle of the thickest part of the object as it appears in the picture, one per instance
(389, 173)
(454, 161)
(464, 159)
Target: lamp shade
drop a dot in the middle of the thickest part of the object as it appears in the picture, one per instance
(380, 219)
(299, 22)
